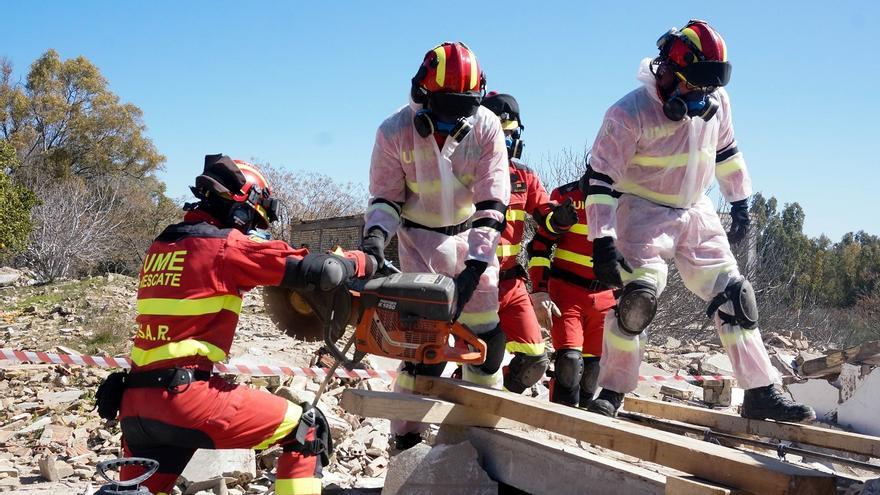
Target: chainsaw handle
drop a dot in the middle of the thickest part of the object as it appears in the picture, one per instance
(476, 356)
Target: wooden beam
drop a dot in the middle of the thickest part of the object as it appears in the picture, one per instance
(543, 465)
(747, 471)
(736, 425)
(693, 486)
(831, 364)
(407, 407)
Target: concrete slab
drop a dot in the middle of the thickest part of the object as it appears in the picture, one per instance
(817, 393)
(860, 411)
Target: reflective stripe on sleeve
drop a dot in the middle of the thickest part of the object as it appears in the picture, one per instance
(539, 261)
(287, 425)
(571, 256)
(580, 229)
(384, 207)
(601, 199)
(174, 350)
(730, 166)
(504, 250)
(189, 307)
(515, 215)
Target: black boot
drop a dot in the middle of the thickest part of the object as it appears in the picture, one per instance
(607, 403)
(771, 403)
(589, 380)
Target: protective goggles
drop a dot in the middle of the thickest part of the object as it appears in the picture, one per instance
(453, 106)
(261, 199)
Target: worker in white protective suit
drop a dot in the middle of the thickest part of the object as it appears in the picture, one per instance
(439, 180)
(651, 165)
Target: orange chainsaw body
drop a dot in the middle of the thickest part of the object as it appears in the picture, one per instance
(407, 316)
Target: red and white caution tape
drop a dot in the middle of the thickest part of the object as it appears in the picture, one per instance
(238, 369)
(264, 370)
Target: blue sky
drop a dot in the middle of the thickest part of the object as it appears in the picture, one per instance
(305, 84)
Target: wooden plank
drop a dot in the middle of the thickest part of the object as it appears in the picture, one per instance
(543, 465)
(407, 407)
(830, 364)
(694, 486)
(736, 425)
(748, 471)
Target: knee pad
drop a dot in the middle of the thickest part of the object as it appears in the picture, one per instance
(569, 367)
(312, 423)
(741, 295)
(495, 346)
(636, 306)
(525, 371)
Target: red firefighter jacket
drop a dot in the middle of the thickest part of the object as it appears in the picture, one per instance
(573, 259)
(527, 196)
(190, 290)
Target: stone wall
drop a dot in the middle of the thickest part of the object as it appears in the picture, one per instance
(325, 234)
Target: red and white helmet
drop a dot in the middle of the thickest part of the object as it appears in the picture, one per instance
(697, 54)
(237, 182)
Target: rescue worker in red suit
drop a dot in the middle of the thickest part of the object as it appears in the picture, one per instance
(579, 301)
(439, 181)
(516, 307)
(655, 156)
(189, 297)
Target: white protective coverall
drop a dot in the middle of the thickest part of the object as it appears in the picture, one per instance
(439, 187)
(663, 169)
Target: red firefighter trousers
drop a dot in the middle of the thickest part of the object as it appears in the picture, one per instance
(169, 426)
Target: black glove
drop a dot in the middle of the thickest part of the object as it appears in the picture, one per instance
(564, 216)
(374, 244)
(606, 259)
(739, 213)
(323, 272)
(466, 283)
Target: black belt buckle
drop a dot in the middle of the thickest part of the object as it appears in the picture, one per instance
(181, 376)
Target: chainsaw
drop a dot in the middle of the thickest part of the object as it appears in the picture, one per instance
(405, 316)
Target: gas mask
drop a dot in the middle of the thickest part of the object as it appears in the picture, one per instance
(447, 113)
(699, 103)
(514, 144)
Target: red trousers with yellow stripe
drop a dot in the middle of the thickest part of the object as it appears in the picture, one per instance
(518, 320)
(168, 426)
(583, 317)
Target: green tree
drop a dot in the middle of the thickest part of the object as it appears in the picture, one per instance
(64, 120)
(15, 209)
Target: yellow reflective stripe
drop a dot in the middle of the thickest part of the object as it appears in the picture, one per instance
(580, 229)
(174, 350)
(669, 161)
(504, 250)
(547, 223)
(291, 419)
(732, 337)
(515, 215)
(539, 261)
(298, 486)
(441, 65)
(475, 77)
(692, 35)
(601, 199)
(580, 259)
(730, 166)
(624, 344)
(643, 192)
(384, 207)
(435, 186)
(189, 307)
(529, 349)
(471, 374)
(480, 318)
(587, 354)
(641, 273)
(431, 219)
(405, 381)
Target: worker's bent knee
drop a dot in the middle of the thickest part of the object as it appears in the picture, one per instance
(636, 307)
(569, 367)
